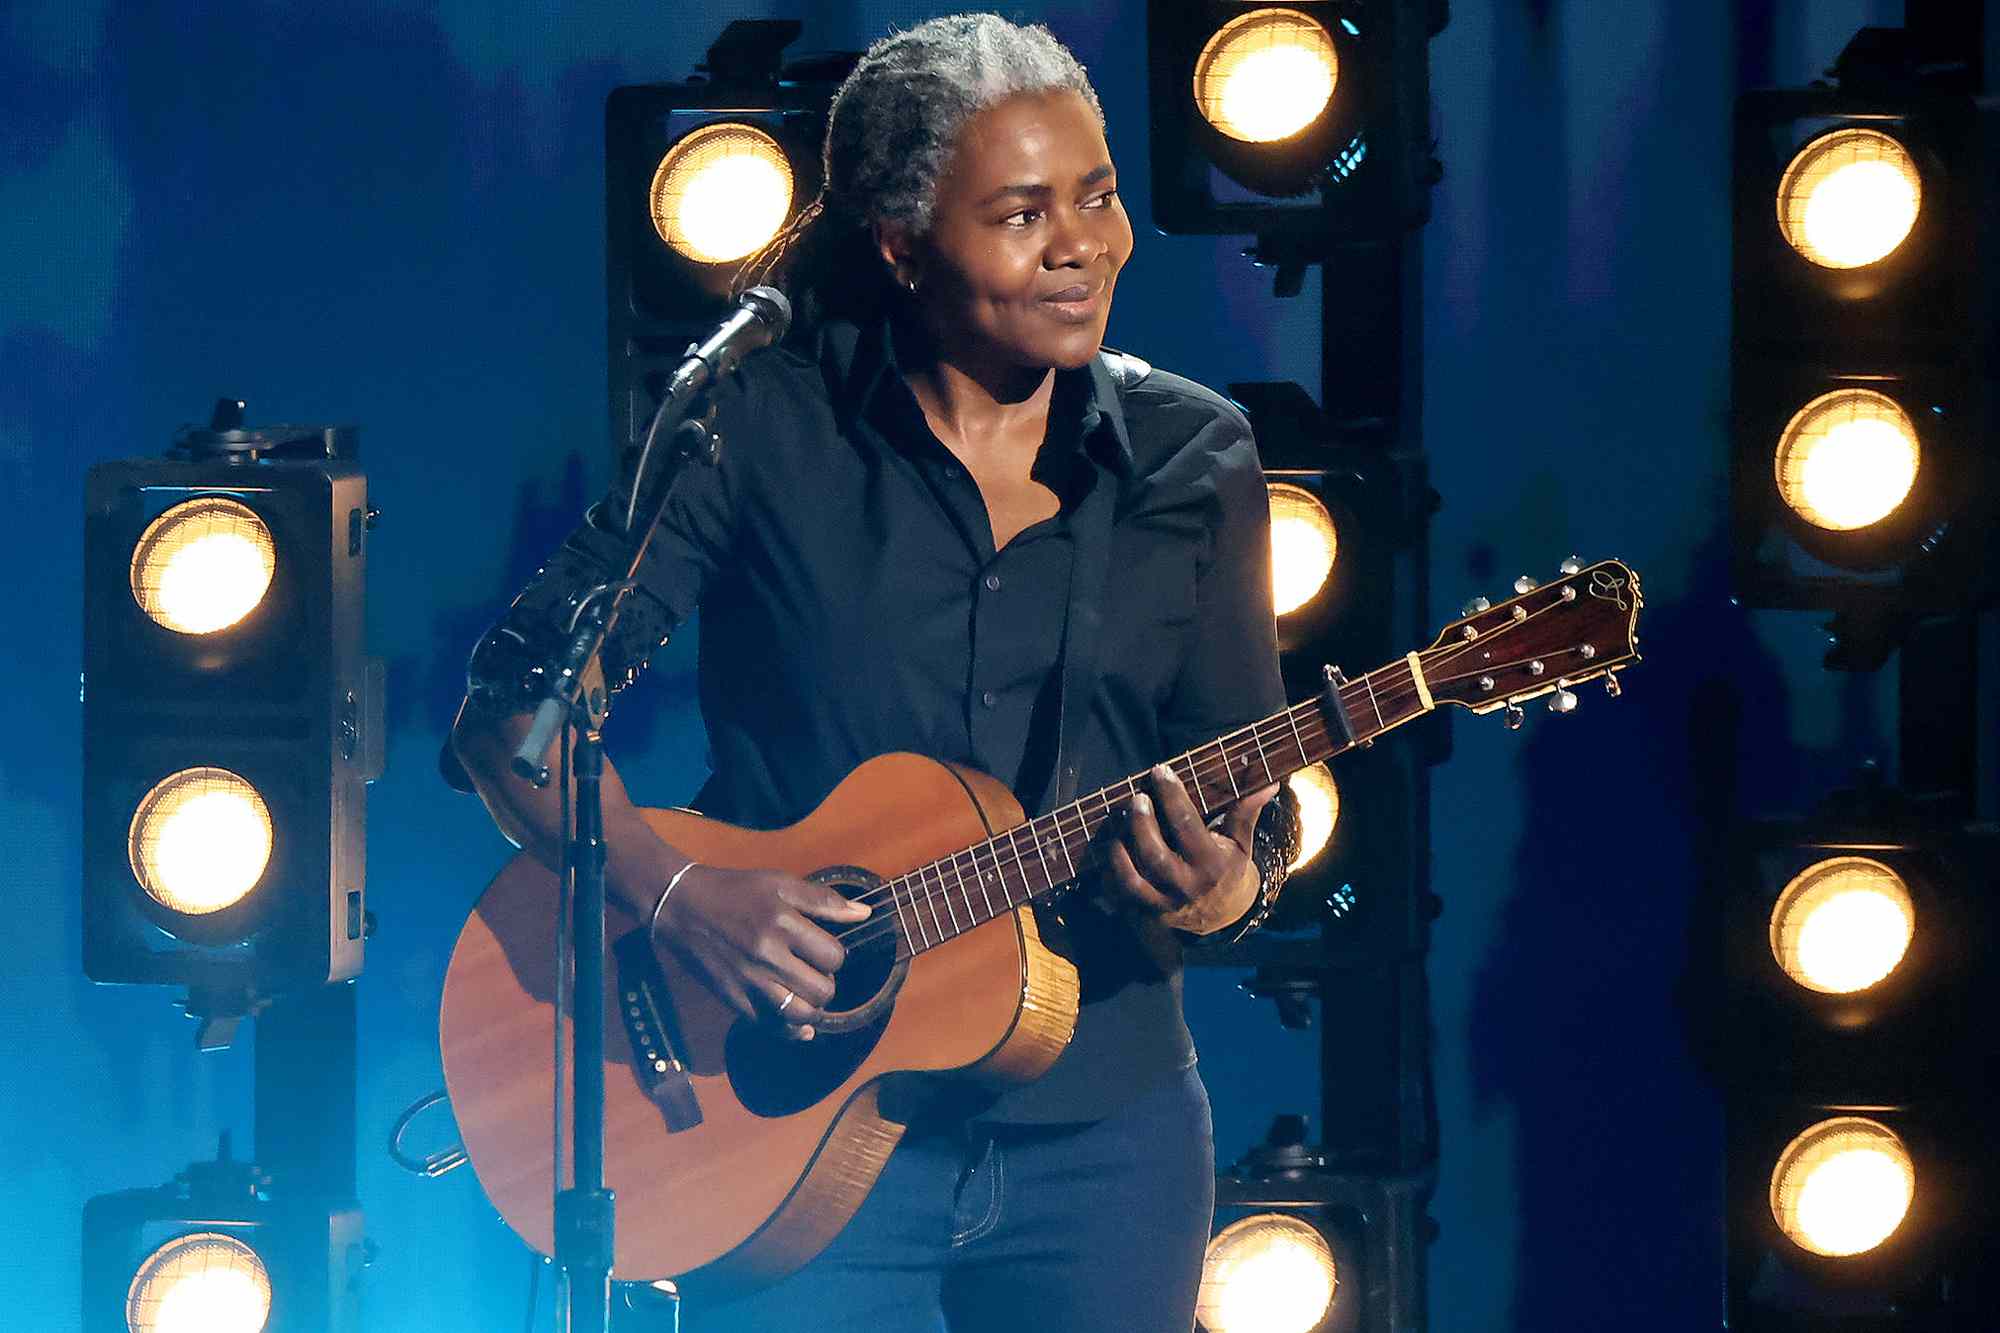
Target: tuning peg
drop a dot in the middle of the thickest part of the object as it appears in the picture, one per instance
(1612, 687)
(1571, 566)
(1476, 605)
(1563, 701)
(1526, 584)
(1513, 717)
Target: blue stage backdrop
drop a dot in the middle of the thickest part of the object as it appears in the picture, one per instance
(390, 214)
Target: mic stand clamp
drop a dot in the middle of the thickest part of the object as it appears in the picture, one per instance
(585, 1213)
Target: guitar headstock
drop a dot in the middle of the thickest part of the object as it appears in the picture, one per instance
(1544, 640)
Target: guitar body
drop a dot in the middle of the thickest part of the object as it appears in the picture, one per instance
(791, 1135)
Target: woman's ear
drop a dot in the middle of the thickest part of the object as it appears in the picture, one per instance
(898, 250)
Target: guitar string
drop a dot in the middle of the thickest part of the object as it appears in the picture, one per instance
(1201, 769)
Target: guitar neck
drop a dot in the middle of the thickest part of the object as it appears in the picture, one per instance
(1038, 859)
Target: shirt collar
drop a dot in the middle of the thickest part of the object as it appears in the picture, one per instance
(859, 364)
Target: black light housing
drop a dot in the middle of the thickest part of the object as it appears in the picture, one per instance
(1908, 315)
(210, 1248)
(1854, 971)
(1369, 1229)
(281, 699)
(1362, 167)
(659, 299)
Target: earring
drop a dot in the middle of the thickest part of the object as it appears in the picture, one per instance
(912, 285)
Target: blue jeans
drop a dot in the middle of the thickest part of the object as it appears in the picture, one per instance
(977, 1228)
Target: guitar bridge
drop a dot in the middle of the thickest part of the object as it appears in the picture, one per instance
(652, 1034)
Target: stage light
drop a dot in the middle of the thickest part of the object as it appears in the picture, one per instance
(1266, 75)
(722, 193)
(203, 565)
(1842, 924)
(1849, 198)
(1842, 1187)
(202, 1282)
(1305, 124)
(231, 719)
(1304, 545)
(1859, 347)
(221, 1249)
(1268, 1273)
(1847, 459)
(699, 177)
(1319, 811)
(200, 841)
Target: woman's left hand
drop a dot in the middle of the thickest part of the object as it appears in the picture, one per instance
(1164, 860)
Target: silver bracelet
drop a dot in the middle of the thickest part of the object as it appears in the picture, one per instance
(653, 924)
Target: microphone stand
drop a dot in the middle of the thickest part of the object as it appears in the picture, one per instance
(585, 1213)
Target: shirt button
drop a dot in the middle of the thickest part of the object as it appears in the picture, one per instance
(951, 470)
(993, 583)
(989, 698)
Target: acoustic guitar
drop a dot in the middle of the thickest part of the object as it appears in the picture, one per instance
(736, 1154)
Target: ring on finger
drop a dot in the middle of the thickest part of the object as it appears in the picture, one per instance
(786, 1003)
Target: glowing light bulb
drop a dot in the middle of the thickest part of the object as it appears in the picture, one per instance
(203, 565)
(1842, 924)
(1847, 459)
(1270, 1273)
(1304, 546)
(1319, 811)
(722, 193)
(1843, 1186)
(205, 1282)
(1849, 198)
(200, 841)
(1266, 75)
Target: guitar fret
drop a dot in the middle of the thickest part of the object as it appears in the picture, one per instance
(1381, 724)
(1020, 868)
(1048, 876)
(982, 888)
(1062, 840)
(1257, 736)
(896, 897)
(1297, 739)
(931, 901)
(1234, 790)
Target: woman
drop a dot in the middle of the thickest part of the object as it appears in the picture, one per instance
(945, 523)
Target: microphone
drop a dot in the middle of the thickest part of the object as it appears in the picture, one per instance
(761, 317)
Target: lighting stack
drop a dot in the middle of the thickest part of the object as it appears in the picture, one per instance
(1862, 468)
(699, 176)
(231, 721)
(1858, 973)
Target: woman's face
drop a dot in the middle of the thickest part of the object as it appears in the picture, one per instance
(1026, 239)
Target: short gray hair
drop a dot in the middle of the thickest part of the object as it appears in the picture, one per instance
(898, 116)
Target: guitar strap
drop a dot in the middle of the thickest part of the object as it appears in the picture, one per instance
(1090, 534)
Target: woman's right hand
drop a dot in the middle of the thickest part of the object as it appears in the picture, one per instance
(756, 936)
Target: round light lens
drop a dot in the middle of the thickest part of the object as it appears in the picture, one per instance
(1847, 459)
(200, 841)
(1843, 1186)
(1266, 75)
(722, 193)
(1849, 198)
(204, 1282)
(203, 565)
(1319, 811)
(1304, 546)
(1268, 1273)
(1842, 925)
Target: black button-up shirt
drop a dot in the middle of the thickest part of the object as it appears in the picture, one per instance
(852, 603)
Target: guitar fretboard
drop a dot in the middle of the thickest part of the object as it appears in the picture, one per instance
(1040, 857)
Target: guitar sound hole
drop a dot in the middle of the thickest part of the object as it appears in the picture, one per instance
(773, 1075)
